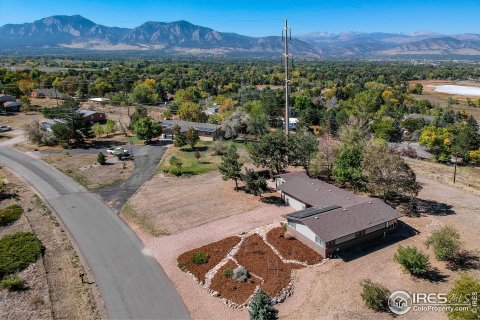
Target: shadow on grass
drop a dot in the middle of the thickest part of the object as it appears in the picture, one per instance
(464, 260)
(403, 231)
(200, 149)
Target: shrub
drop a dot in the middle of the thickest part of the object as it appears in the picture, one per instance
(261, 308)
(240, 274)
(218, 148)
(228, 272)
(10, 214)
(200, 258)
(375, 295)
(101, 158)
(17, 251)
(445, 243)
(412, 260)
(12, 283)
(464, 288)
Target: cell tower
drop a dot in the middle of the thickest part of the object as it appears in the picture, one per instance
(286, 35)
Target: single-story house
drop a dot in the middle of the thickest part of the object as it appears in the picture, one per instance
(8, 103)
(404, 146)
(92, 116)
(330, 219)
(207, 131)
(48, 93)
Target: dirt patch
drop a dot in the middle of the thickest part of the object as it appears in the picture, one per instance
(174, 204)
(257, 257)
(292, 249)
(232, 289)
(216, 252)
(59, 287)
(83, 168)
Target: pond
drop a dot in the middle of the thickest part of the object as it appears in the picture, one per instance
(459, 90)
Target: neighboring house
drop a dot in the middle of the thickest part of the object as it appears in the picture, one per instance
(404, 146)
(47, 124)
(207, 131)
(8, 103)
(92, 116)
(48, 93)
(212, 110)
(330, 219)
(99, 99)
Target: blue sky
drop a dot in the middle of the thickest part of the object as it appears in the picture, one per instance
(263, 17)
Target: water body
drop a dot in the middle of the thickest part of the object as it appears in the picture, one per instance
(459, 90)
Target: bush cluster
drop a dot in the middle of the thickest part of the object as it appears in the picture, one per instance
(375, 295)
(10, 214)
(200, 258)
(17, 251)
(228, 272)
(12, 282)
(240, 274)
(412, 260)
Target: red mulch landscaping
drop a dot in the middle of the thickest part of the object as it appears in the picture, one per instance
(216, 252)
(230, 288)
(257, 257)
(292, 249)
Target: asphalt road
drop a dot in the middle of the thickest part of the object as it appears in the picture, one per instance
(133, 285)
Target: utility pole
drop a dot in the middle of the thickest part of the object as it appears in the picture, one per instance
(286, 33)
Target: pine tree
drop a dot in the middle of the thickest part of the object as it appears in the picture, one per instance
(261, 307)
(231, 168)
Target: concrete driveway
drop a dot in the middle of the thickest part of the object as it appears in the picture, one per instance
(132, 283)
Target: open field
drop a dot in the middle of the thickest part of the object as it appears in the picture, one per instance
(83, 168)
(441, 99)
(59, 287)
(174, 204)
(468, 177)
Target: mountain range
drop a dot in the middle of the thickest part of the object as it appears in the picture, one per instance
(77, 32)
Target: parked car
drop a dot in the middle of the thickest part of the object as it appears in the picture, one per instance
(118, 150)
(5, 128)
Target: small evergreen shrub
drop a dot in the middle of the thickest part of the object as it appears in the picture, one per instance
(412, 260)
(445, 242)
(375, 295)
(240, 274)
(12, 283)
(228, 272)
(101, 158)
(17, 251)
(261, 307)
(10, 214)
(200, 258)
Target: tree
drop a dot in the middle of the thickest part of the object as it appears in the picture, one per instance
(231, 168)
(146, 129)
(191, 137)
(109, 127)
(140, 112)
(270, 152)
(465, 289)
(412, 260)
(234, 124)
(36, 134)
(386, 129)
(254, 183)
(178, 136)
(302, 147)
(375, 295)
(257, 124)
(445, 242)
(97, 129)
(145, 94)
(261, 308)
(437, 140)
(191, 111)
(347, 166)
(386, 173)
(321, 165)
(176, 162)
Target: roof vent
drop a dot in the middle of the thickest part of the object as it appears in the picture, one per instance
(344, 209)
(348, 198)
(316, 217)
(370, 202)
(329, 190)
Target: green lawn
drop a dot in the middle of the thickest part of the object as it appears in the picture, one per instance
(192, 166)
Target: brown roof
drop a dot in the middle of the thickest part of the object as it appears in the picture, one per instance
(335, 212)
(333, 224)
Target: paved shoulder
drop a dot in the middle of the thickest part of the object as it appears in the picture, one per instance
(133, 285)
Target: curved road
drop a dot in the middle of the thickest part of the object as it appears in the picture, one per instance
(133, 285)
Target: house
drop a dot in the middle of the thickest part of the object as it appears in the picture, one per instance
(212, 110)
(99, 100)
(92, 116)
(48, 93)
(8, 103)
(330, 219)
(47, 124)
(207, 131)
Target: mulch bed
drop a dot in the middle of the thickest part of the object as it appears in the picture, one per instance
(230, 288)
(216, 252)
(292, 249)
(257, 257)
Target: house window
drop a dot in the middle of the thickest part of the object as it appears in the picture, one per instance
(319, 241)
(330, 243)
(359, 234)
